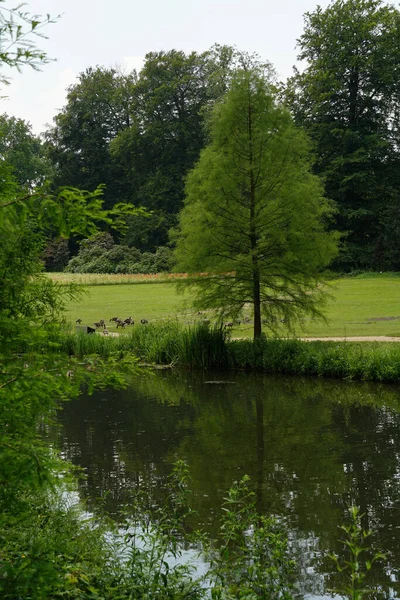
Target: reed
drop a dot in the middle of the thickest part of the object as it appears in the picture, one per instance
(197, 346)
(203, 347)
(375, 361)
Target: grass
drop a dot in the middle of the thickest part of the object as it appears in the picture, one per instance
(94, 279)
(201, 346)
(141, 301)
(197, 346)
(367, 305)
(375, 361)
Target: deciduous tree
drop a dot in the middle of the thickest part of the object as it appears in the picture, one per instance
(164, 141)
(24, 152)
(347, 98)
(98, 107)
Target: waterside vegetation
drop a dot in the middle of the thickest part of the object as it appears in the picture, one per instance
(205, 347)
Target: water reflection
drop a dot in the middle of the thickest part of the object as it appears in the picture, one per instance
(311, 448)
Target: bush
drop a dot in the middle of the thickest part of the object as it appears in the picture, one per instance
(99, 254)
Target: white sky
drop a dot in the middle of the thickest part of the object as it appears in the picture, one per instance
(121, 32)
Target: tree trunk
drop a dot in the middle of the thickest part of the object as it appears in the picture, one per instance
(253, 233)
(256, 299)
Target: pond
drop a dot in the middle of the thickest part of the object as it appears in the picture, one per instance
(312, 449)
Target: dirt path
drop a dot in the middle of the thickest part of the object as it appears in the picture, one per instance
(361, 338)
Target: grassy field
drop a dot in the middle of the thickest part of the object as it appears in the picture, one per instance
(360, 306)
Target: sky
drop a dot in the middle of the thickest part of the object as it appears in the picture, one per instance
(120, 32)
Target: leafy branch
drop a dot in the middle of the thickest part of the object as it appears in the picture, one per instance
(18, 29)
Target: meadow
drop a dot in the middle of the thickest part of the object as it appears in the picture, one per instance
(367, 305)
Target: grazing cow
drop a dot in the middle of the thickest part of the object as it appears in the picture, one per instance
(129, 321)
(121, 324)
(79, 321)
(114, 319)
(228, 325)
(143, 321)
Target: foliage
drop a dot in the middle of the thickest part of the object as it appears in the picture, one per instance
(165, 140)
(254, 215)
(139, 134)
(24, 224)
(24, 152)
(53, 552)
(45, 547)
(56, 255)
(347, 100)
(253, 558)
(18, 30)
(152, 546)
(354, 567)
(99, 254)
(98, 108)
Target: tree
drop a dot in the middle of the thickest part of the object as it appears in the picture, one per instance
(98, 107)
(347, 99)
(23, 152)
(165, 139)
(140, 134)
(254, 215)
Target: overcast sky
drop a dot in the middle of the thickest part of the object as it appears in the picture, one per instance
(121, 32)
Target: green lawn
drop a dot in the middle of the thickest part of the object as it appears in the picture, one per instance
(361, 306)
(358, 307)
(154, 302)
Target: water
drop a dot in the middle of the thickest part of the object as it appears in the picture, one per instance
(312, 449)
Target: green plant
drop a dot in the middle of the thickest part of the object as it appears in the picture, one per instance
(152, 546)
(355, 566)
(253, 557)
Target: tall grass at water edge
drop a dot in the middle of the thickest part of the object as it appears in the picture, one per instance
(200, 346)
(375, 361)
(197, 346)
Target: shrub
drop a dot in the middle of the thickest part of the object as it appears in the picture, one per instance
(99, 254)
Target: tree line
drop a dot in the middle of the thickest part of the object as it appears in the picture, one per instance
(140, 134)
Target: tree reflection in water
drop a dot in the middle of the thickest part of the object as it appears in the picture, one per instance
(312, 449)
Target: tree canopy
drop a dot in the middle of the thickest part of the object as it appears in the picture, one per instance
(140, 133)
(24, 152)
(254, 216)
(347, 99)
(98, 107)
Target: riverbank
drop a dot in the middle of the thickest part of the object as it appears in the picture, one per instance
(203, 347)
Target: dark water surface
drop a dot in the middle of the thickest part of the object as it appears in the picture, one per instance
(312, 449)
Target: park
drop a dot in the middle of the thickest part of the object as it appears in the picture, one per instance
(363, 306)
(199, 302)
